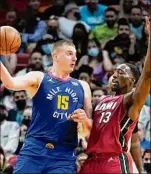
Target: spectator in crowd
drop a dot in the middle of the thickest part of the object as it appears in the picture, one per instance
(9, 133)
(80, 40)
(70, 18)
(13, 20)
(57, 9)
(136, 23)
(32, 9)
(2, 160)
(53, 28)
(30, 48)
(125, 7)
(95, 59)
(106, 31)
(123, 47)
(147, 161)
(135, 150)
(145, 119)
(35, 63)
(44, 46)
(93, 13)
(145, 144)
(145, 2)
(85, 73)
(97, 94)
(10, 61)
(5, 167)
(37, 28)
(16, 114)
(137, 26)
(27, 116)
(27, 113)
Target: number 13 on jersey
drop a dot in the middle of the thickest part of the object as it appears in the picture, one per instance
(105, 116)
(63, 102)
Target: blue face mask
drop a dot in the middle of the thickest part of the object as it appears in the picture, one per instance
(47, 48)
(93, 52)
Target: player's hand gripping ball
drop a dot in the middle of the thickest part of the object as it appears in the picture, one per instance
(10, 40)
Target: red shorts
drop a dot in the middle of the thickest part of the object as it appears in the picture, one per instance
(121, 163)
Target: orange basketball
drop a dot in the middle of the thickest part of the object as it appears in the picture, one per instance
(10, 40)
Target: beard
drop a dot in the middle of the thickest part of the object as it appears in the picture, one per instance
(35, 67)
(117, 90)
(137, 23)
(110, 23)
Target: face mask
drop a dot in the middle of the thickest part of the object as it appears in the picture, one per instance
(93, 52)
(52, 31)
(147, 167)
(21, 104)
(26, 122)
(47, 48)
(77, 15)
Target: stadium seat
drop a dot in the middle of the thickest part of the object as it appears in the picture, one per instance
(19, 5)
(22, 61)
(2, 16)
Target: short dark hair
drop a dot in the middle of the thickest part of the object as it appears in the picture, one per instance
(14, 92)
(135, 71)
(111, 9)
(123, 21)
(146, 151)
(85, 69)
(2, 106)
(61, 43)
(136, 6)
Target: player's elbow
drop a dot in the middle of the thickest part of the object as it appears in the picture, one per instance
(9, 84)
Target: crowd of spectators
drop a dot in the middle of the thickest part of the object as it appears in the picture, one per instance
(106, 33)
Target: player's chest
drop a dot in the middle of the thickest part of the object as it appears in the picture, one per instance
(104, 112)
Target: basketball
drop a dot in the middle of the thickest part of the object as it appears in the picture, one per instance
(10, 40)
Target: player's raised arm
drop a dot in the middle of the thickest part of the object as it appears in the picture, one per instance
(19, 83)
(143, 86)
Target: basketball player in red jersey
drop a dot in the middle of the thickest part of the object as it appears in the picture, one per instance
(115, 117)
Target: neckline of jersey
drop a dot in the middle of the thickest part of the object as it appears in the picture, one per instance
(57, 78)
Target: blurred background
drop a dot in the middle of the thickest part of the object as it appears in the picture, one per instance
(106, 33)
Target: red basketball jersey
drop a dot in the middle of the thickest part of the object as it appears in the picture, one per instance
(111, 129)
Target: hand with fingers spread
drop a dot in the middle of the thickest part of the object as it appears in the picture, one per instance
(147, 25)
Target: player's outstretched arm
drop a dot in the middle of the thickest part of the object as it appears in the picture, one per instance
(143, 86)
(19, 83)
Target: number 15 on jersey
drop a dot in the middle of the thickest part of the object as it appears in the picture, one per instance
(63, 102)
